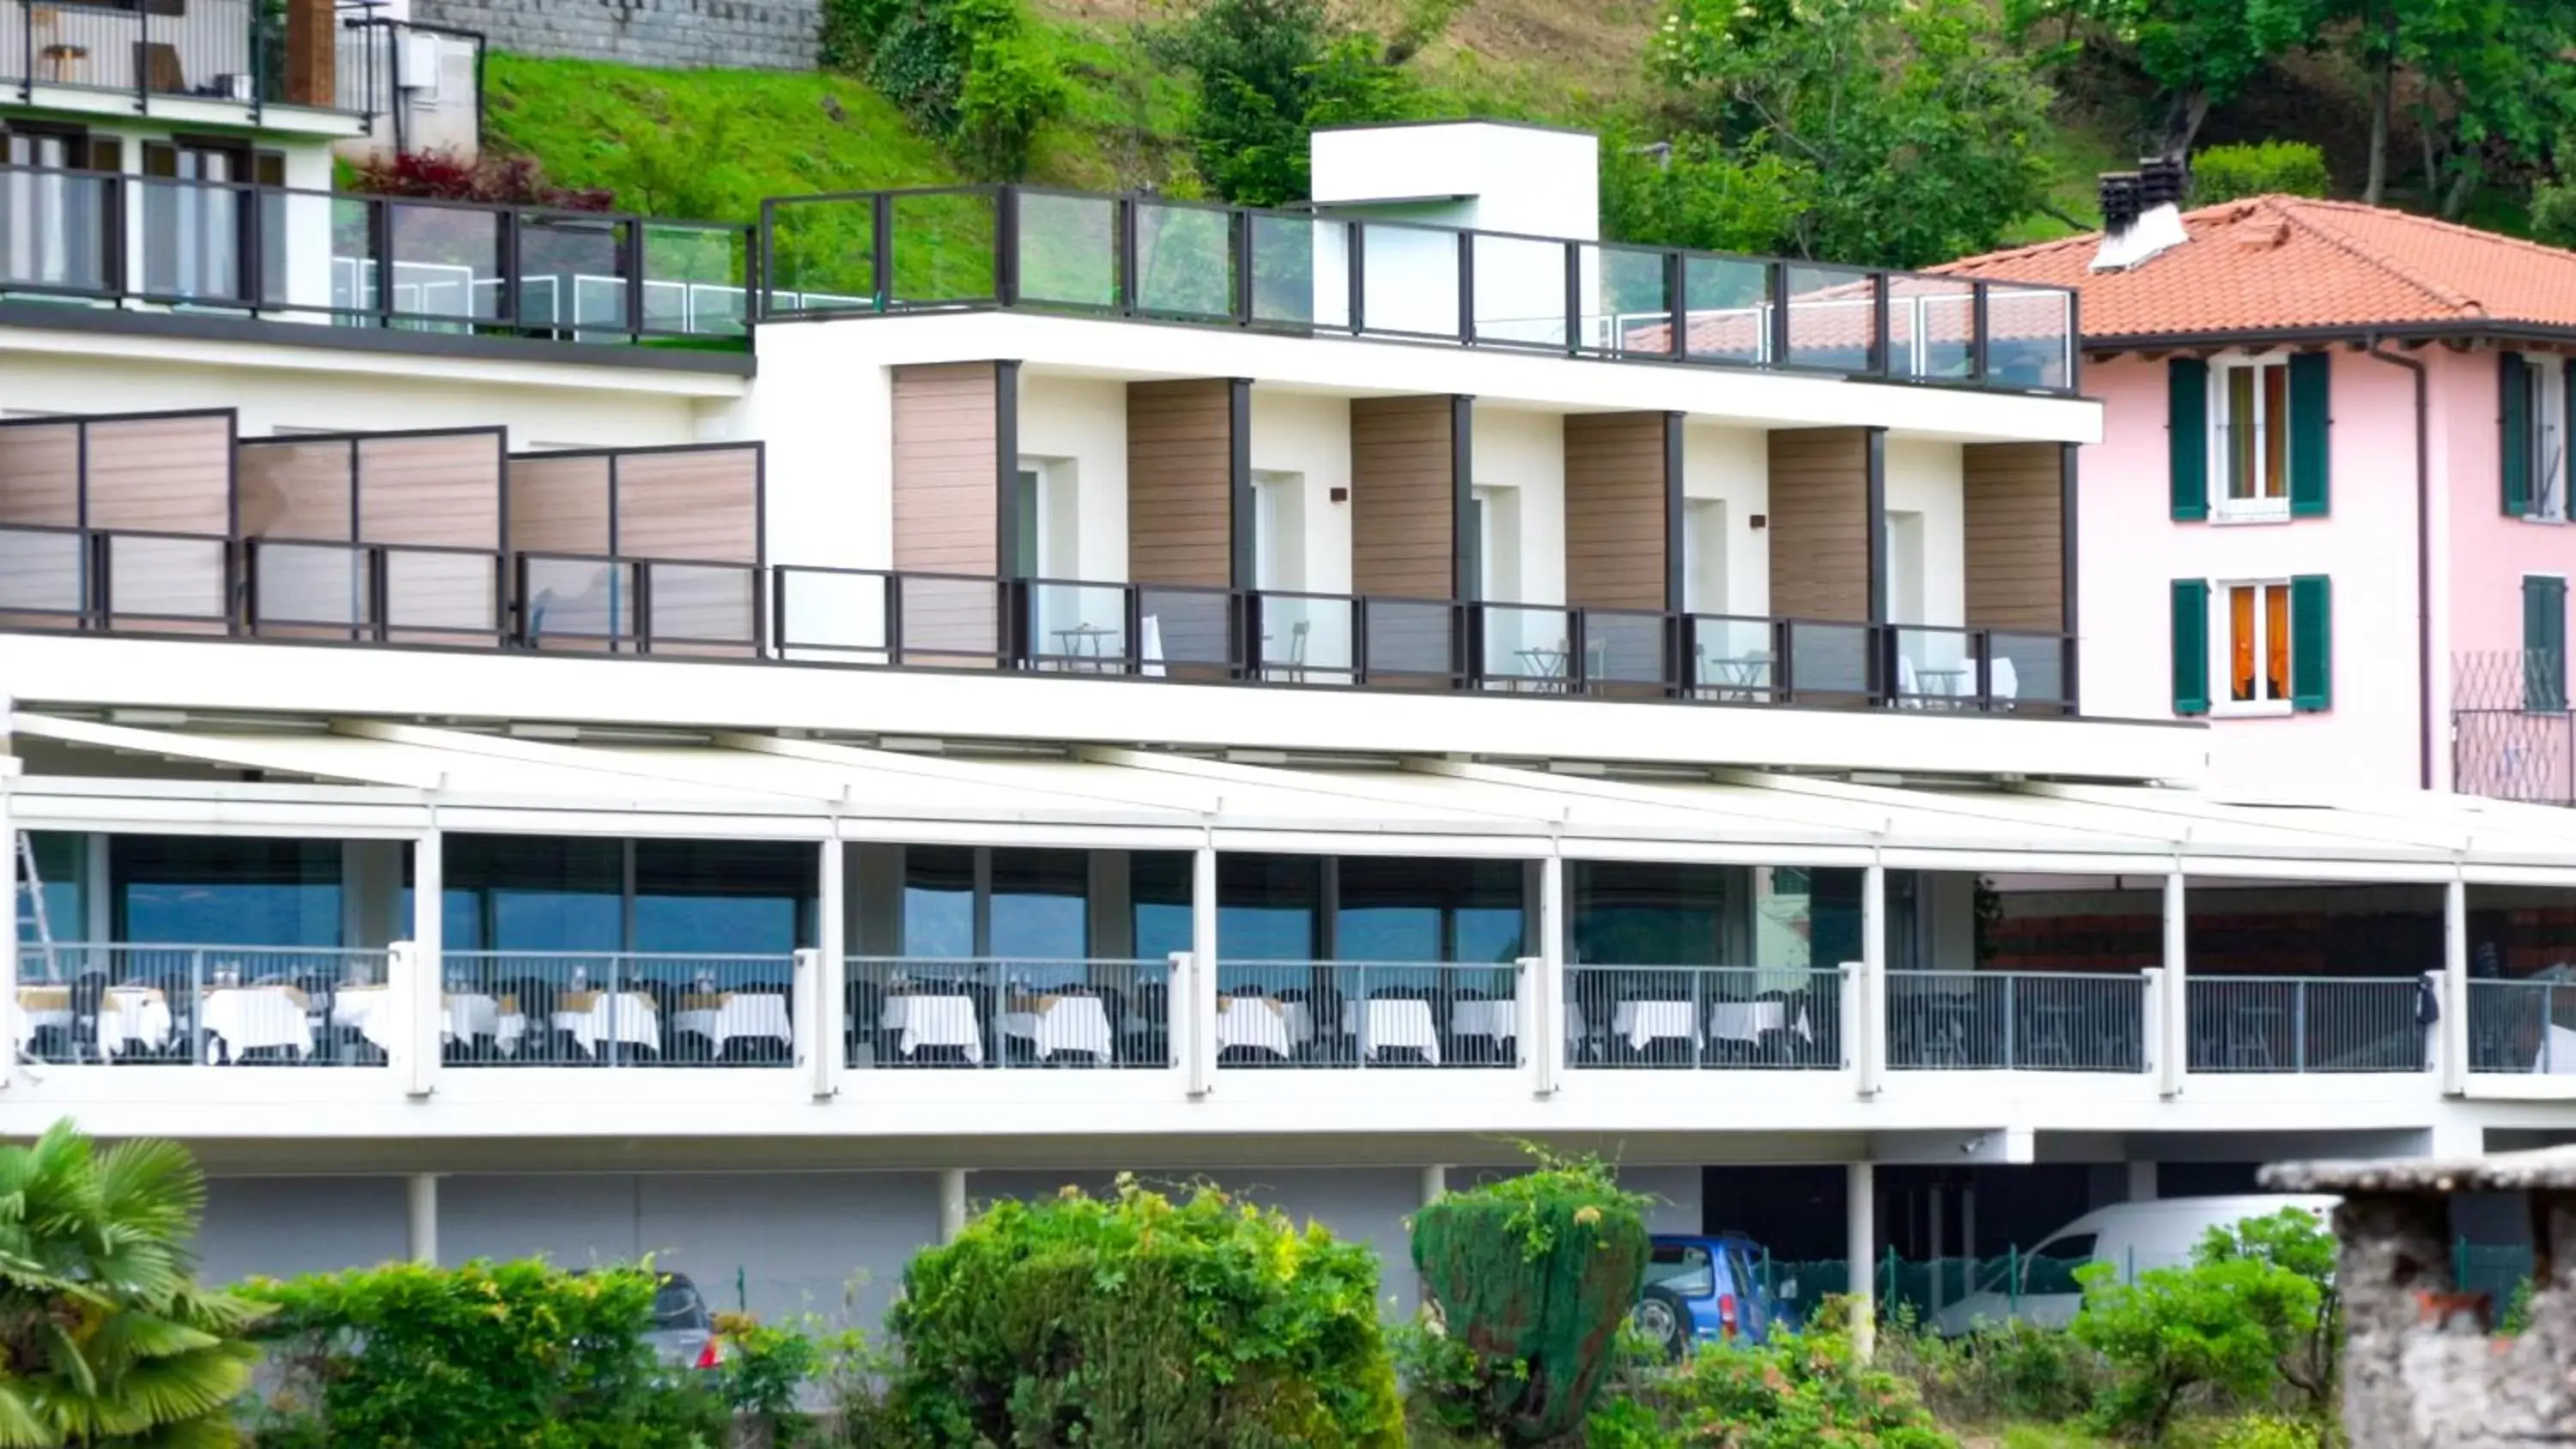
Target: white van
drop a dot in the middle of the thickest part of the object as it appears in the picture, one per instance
(2131, 1236)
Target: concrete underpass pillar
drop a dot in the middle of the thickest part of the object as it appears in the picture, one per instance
(420, 1199)
(2142, 1181)
(952, 1203)
(1860, 1245)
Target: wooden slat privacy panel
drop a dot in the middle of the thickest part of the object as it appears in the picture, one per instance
(40, 474)
(1615, 510)
(2014, 526)
(947, 492)
(1403, 498)
(1180, 482)
(1820, 523)
(296, 489)
(169, 475)
(700, 504)
(559, 505)
(438, 490)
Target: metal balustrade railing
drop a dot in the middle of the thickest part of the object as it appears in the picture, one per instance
(1366, 1014)
(1009, 246)
(617, 1009)
(2523, 1027)
(918, 1012)
(204, 50)
(2016, 1021)
(391, 263)
(1704, 1016)
(122, 1004)
(2308, 1024)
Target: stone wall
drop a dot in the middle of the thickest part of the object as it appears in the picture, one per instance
(675, 34)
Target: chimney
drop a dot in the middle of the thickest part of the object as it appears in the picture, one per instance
(2141, 213)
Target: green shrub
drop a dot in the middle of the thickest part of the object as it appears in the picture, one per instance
(517, 1353)
(1532, 1277)
(2217, 1327)
(2012, 1370)
(1137, 1321)
(1268, 72)
(979, 74)
(2258, 1431)
(2291, 168)
(1794, 1392)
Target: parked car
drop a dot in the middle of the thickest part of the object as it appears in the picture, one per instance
(2132, 1236)
(1705, 1289)
(683, 1332)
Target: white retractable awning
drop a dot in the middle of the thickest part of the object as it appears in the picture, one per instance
(377, 778)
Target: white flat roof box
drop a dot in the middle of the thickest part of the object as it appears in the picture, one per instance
(1489, 175)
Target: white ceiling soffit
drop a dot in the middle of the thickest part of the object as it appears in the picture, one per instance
(304, 758)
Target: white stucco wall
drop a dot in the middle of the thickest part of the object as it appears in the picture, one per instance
(1310, 435)
(1924, 479)
(1524, 451)
(1733, 467)
(1074, 431)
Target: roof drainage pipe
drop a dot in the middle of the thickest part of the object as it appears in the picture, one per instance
(2371, 344)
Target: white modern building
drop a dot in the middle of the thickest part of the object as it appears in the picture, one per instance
(646, 738)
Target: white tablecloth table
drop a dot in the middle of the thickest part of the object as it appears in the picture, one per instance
(1393, 1023)
(1745, 1020)
(40, 1007)
(934, 1021)
(1642, 1022)
(1261, 1023)
(133, 1014)
(2558, 1055)
(366, 1010)
(1500, 1020)
(251, 1018)
(1069, 1024)
(594, 1018)
(724, 1016)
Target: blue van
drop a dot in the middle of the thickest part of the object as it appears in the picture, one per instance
(1704, 1289)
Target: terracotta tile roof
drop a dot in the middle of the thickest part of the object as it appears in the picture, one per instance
(2280, 263)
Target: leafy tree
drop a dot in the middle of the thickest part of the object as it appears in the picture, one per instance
(979, 74)
(1270, 71)
(108, 1342)
(2489, 84)
(2198, 53)
(1897, 132)
(2224, 1323)
(2293, 1241)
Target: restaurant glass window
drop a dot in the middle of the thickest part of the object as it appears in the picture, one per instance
(531, 893)
(939, 902)
(1643, 913)
(1269, 907)
(1806, 918)
(1158, 891)
(1402, 909)
(725, 897)
(234, 891)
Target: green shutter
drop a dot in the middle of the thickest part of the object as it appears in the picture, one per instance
(2310, 451)
(2514, 390)
(2544, 643)
(2311, 642)
(2191, 646)
(2187, 422)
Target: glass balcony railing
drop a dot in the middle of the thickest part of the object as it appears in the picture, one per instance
(1143, 256)
(385, 263)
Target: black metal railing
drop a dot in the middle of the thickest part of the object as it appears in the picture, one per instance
(1153, 257)
(206, 50)
(399, 263)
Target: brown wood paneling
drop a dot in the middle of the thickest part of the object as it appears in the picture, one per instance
(296, 490)
(1403, 498)
(1180, 481)
(559, 505)
(1820, 523)
(169, 475)
(701, 504)
(1615, 510)
(2014, 529)
(442, 490)
(40, 474)
(947, 495)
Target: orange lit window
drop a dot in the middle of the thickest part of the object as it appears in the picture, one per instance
(2258, 643)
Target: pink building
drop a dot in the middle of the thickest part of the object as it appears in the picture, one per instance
(2329, 511)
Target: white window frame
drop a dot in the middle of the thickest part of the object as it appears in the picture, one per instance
(2223, 702)
(2547, 378)
(2223, 506)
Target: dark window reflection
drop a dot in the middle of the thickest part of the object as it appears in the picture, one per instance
(223, 892)
(1650, 913)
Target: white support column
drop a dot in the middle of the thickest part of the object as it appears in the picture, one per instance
(424, 964)
(952, 1203)
(2173, 1053)
(2154, 1034)
(1199, 1041)
(1940, 1250)
(1435, 1183)
(420, 1199)
(830, 970)
(1545, 1044)
(2454, 1024)
(1860, 1247)
(1968, 1223)
(2142, 1180)
(1869, 1023)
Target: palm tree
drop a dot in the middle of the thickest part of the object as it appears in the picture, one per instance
(104, 1337)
